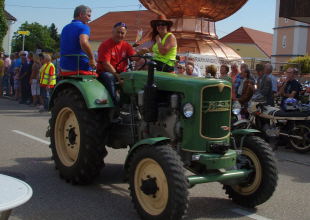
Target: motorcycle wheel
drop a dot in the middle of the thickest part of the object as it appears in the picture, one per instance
(302, 129)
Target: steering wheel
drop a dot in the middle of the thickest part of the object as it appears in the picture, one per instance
(144, 57)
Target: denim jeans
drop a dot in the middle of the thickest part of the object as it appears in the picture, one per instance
(109, 80)
(45, 93)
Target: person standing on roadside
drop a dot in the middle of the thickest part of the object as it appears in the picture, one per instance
(1, 72)
(34, 81)
(11, 75)
(234, 74)
(274, 81)
(264, 86)
(224, 73)
(47, 81)
(75, 40)
(24, 75)
(6, 77)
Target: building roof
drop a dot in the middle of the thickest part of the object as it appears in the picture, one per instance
(135, 20)
(245, 35)
(9, 17)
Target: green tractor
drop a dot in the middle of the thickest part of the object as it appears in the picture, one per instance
(170, 123)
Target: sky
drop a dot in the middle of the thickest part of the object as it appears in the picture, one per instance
(255, 14)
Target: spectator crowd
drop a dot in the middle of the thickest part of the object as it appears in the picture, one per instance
(259, 84)
(28, 78)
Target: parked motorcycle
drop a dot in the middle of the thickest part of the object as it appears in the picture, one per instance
(274, 123)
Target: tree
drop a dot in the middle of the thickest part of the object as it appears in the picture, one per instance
(300, 62)
(39, 38)
(54, 34)
(3, 24)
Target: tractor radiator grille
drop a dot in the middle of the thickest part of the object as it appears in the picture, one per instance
(215, 111)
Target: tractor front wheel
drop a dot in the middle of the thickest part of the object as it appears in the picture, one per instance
(259, 186)
(77, 138)
(158, 185)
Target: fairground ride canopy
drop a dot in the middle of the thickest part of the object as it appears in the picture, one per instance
(215, 10)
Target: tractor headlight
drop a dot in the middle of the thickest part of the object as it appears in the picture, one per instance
(236, 108)
(188, 110)
(236, 111)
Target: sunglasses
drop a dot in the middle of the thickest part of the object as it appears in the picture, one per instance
(161, 24)
(23, 54)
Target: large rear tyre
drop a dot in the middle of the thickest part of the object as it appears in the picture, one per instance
(77, 138)
(158, 185)
(301, 129)
(261, 184)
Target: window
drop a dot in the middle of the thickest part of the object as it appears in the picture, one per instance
(284, 41)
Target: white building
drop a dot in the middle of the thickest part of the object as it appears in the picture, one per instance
(6, 45)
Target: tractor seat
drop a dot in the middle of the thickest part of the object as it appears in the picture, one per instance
(78, 72)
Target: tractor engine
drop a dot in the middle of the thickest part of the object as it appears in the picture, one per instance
(167, 122)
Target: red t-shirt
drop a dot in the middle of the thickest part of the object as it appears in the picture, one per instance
(114, 53)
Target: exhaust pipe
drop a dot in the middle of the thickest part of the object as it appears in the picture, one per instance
(150, 109)
(292, 136)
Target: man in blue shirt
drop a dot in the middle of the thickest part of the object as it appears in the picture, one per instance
(75, 40)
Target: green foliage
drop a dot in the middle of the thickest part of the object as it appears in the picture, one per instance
(54, 34)
(3, 24)
(300, 62)
(41, 37)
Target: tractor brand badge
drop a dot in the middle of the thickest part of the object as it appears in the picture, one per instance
(221, 87)
(216, 106)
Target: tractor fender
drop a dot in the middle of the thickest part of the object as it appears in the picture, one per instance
(242, 121)
(241, 134)
(244, 132)
(141, 143)
(90, 89)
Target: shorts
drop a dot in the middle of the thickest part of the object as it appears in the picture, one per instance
(35, 87)
(1, 81)
(16, 83)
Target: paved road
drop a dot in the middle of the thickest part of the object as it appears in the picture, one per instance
(108, 197)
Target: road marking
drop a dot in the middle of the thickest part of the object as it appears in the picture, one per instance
(31, 137)
(249, 214)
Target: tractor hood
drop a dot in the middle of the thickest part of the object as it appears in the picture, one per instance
(188, 85)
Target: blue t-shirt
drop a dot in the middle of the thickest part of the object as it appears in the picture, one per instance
(17, 63)
(70, 44)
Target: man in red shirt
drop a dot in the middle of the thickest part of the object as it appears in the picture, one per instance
(110, 53)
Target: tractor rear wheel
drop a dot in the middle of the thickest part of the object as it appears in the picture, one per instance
(77, 138)
(261, 183)
(158, 185)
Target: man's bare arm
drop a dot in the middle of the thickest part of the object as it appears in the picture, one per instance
(86, 48)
